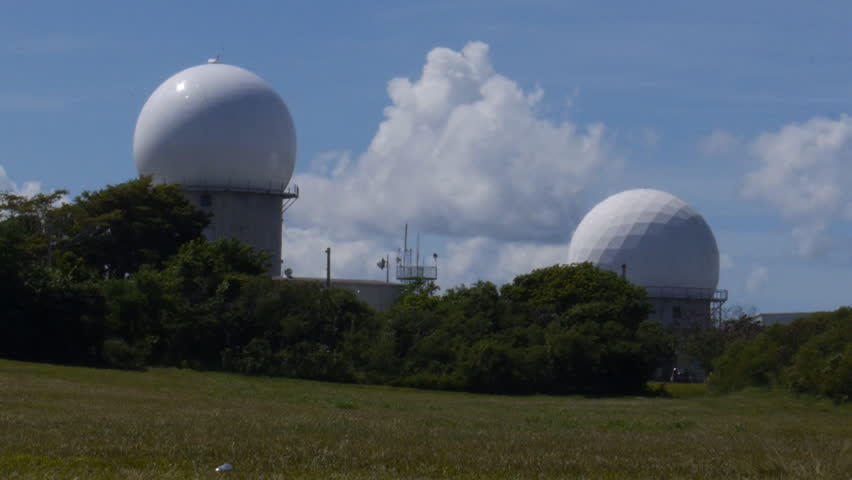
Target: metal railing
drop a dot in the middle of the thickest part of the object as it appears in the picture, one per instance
(271, 188)
(412, 272)
(709, 294)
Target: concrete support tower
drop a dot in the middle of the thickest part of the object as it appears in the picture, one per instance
(228, 139)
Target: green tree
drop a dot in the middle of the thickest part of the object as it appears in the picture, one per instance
(45, 315)
(117, 229)
(571, 293)
(559, 329)
(36, 222)
(810, 355)
(16, 294)
(706, 345)
(206, 279)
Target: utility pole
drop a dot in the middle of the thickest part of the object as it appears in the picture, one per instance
(328, 267)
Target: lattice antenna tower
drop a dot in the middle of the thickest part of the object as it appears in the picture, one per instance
(408, 263)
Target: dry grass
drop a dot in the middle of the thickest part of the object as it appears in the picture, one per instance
(60, 422)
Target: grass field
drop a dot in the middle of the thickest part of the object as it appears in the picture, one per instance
(64, 423)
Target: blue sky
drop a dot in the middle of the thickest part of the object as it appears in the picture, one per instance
(736, 107)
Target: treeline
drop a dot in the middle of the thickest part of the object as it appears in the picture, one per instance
(810, 355)
(561, 329)
(122, 277)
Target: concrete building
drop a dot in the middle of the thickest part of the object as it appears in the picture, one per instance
(767, 319)
(657, 241)
(377, 294)
(227, 138)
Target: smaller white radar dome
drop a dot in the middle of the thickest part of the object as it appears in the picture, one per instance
(218, 126)
(661, 241)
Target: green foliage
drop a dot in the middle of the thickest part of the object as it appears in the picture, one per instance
(823, 364)
(56, 305)
(117, 353)
(14, 291)
(811, 355)
(121, 277)
(35, 223)
(45, 316)
(708, 345)
(561, 329)
(116, 230)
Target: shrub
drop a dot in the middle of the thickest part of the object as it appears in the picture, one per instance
(811, 355)
(118, 353)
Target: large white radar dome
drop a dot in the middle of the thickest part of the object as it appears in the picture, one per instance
(217, 126)
(660, 239)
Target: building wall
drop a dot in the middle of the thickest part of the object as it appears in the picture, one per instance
(767, 319)
(376, 294)
(379, 295)
(253, 218)
(681, 313)
(681, 316)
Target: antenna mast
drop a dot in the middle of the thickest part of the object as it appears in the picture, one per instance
(408, 267)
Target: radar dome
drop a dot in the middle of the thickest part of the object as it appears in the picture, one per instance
(660, 239)
(217, 126)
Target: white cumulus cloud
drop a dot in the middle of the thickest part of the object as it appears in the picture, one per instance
(463, 153)
(804, 171)
(757, 279)
(304, 252)
(726, 262)
(27, 189)
(480, 258)
(719, 143)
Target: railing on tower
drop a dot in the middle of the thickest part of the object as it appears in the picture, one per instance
(714, 297)
(279, 189)
(409, 265)
(414, 272)
(709, 294)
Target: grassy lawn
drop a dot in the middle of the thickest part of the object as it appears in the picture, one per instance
(61, 422)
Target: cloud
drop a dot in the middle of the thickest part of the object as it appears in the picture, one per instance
(650, 137)
(571, 99)
(480, 258)
(757, 279)
(304, 252)
(463, 260)
(719, 143)
(726, 262)
(462, 151)
(804, 171)
(7, 185)
(463, 154)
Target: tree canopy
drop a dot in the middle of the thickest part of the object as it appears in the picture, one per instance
(810, 355)
(559, 329)
(122, 277)
(125, 226)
